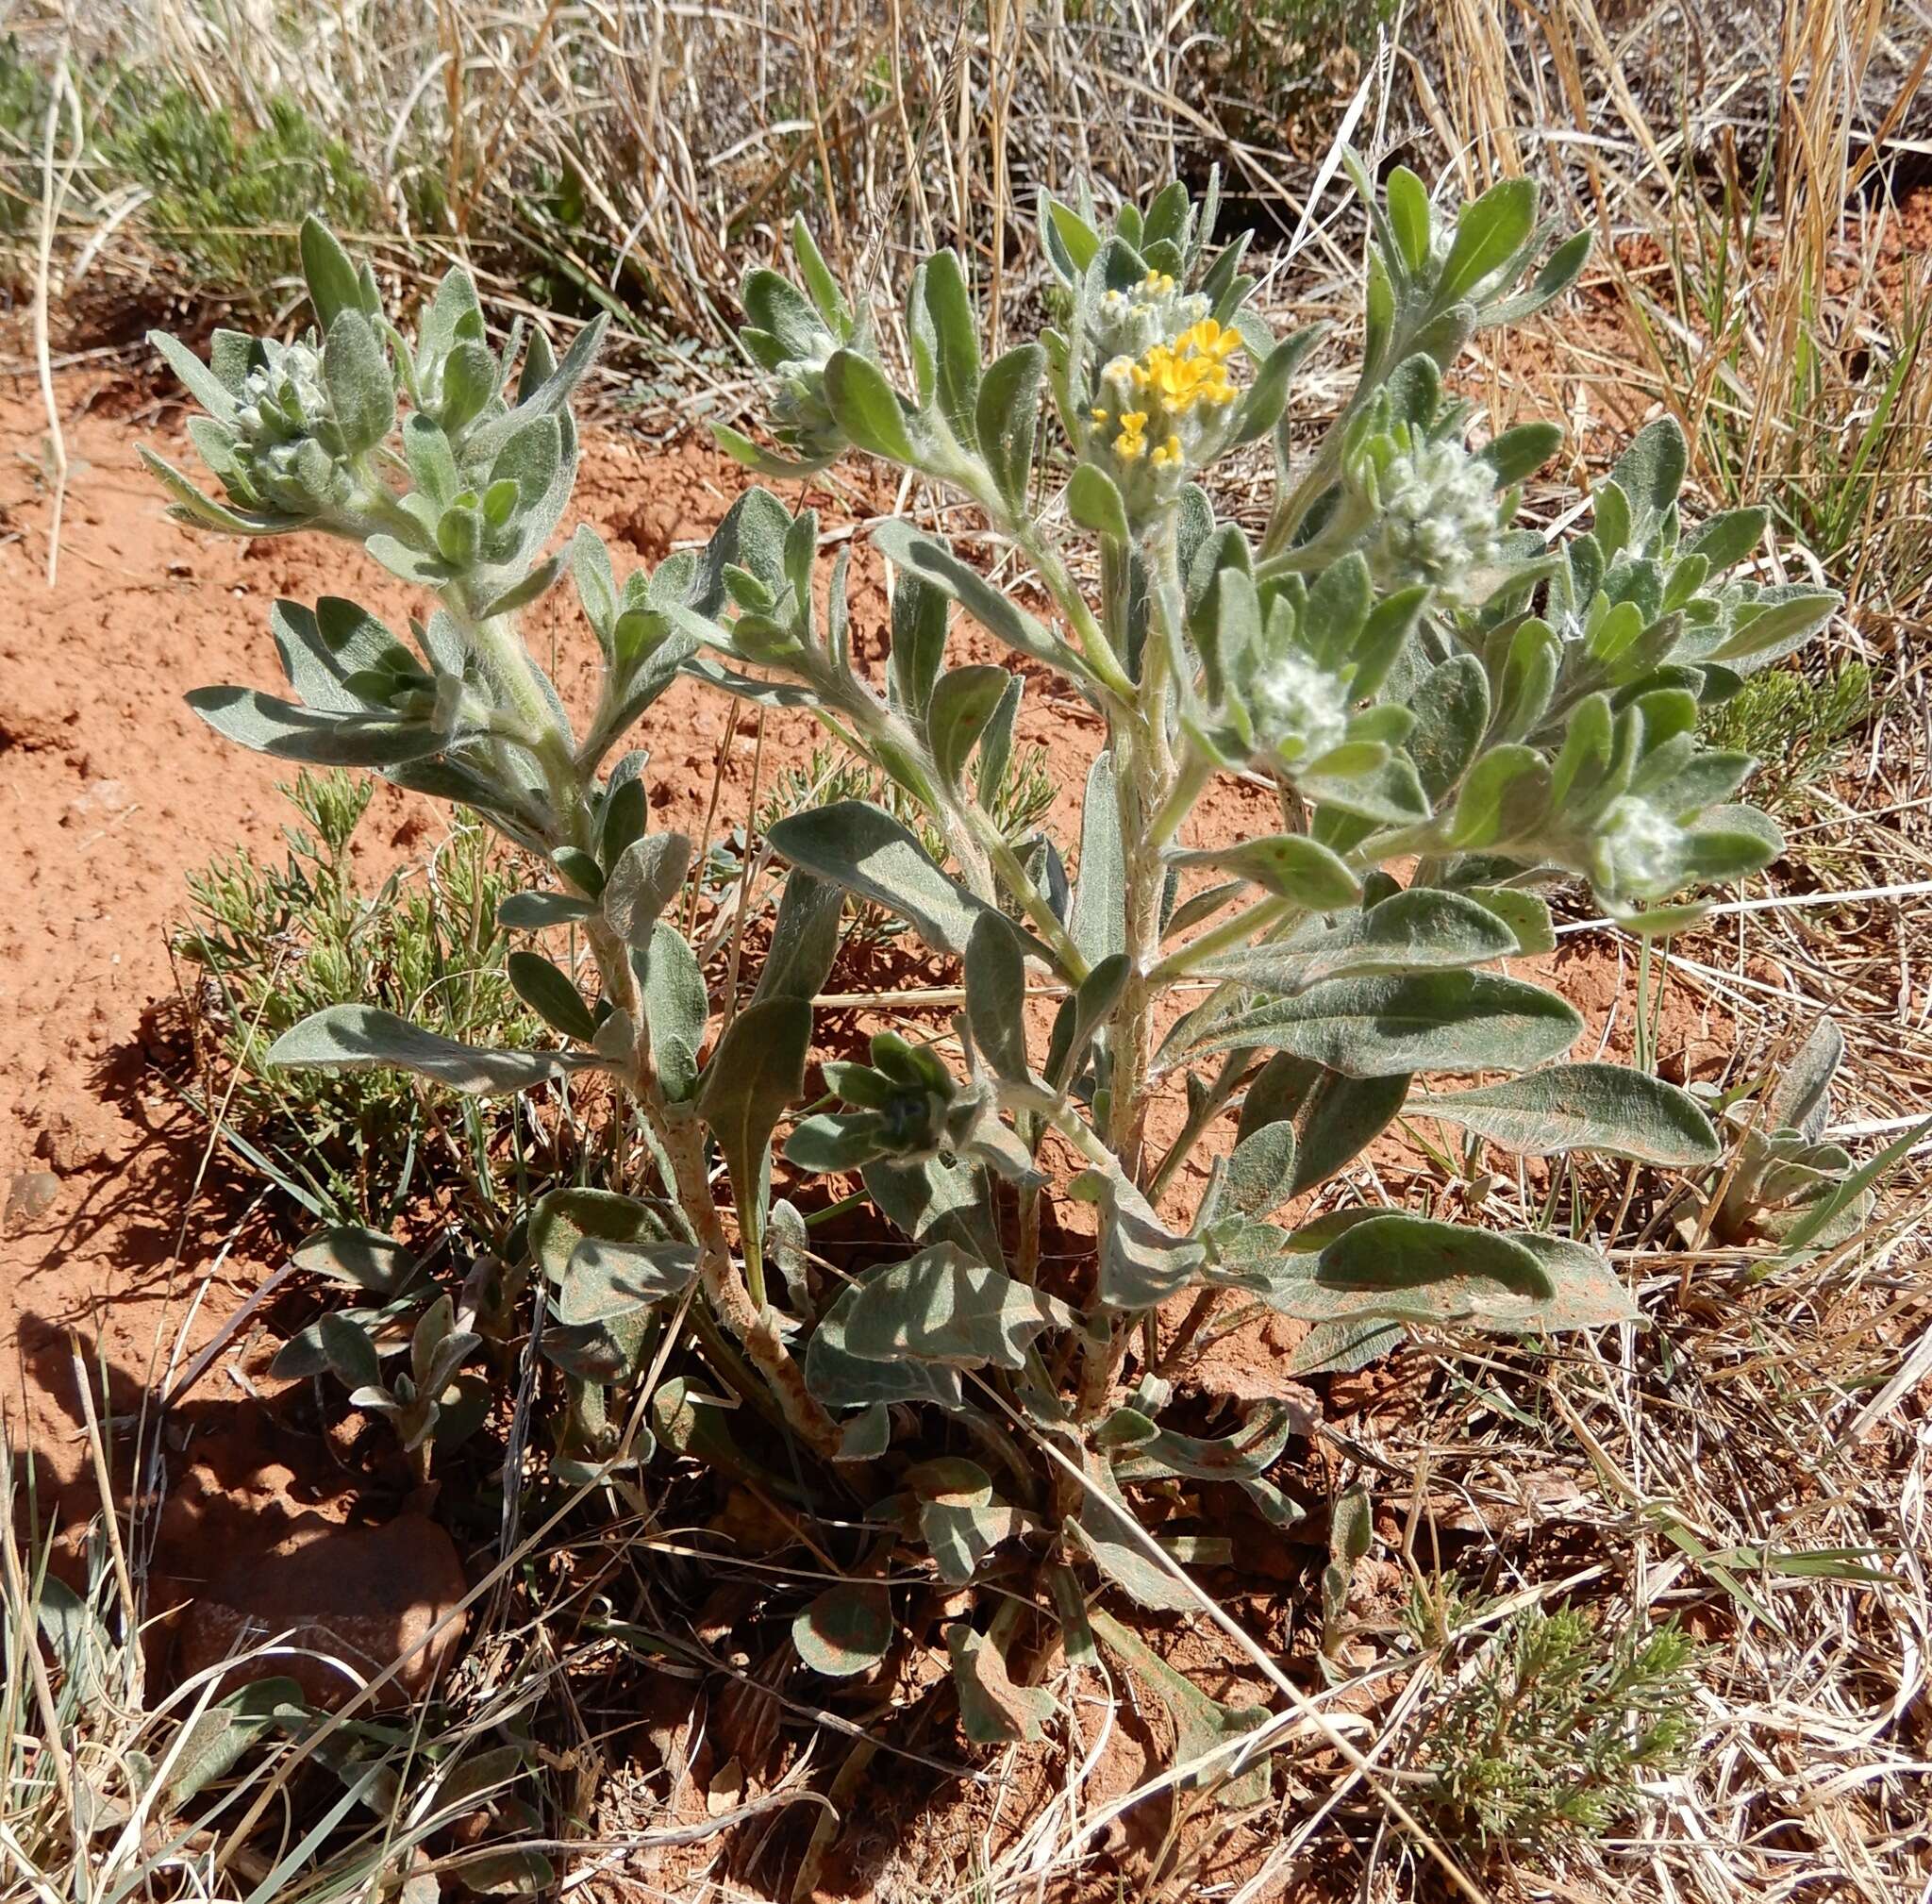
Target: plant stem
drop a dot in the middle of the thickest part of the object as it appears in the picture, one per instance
(1191, 1324)
(754, 1325)
(1230, 932)
(742, 1308)
(1200, 1116)
(1144, 776)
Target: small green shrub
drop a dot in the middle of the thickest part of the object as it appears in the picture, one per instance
(229, 198)
(1797, 725)
(1453, 715)
(1553, 1726)
(273, 943)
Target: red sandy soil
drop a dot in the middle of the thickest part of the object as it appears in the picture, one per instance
(128, 1244)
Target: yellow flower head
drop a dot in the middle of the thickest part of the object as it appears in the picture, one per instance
(1174, 387)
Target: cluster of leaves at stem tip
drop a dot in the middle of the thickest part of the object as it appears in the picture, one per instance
(1456, 712)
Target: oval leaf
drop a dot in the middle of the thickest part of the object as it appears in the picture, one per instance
(846, 1630)
(1609, 1108)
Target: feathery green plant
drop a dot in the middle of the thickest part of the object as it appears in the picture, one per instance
(1554, 1726)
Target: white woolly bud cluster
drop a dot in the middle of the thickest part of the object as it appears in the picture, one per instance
(1439, 518)
(1299, 712)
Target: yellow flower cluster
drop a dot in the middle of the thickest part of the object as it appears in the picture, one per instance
(1173, 379)
(1192, 370)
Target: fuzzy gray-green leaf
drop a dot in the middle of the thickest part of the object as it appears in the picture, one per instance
(1419, 929)
(755, 1073)
(867, 408)
(1290, 865)
(1098, 921)
(847, 1630)
(862, 848)
(361, 1038)
(326, 739)
(1423, 1021)
(805, 938)
(1008, 415)
(1609, 1108)
(941, 1307)
(994, 1709)
(644, 881)
(361, 393)
(549, 992)
(675, 1008)
(996, 999)
(962, 702)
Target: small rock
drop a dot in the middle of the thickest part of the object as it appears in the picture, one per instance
(30, 1195)
(362, 1596)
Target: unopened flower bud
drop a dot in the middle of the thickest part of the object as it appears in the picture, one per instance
(1299, 712)
(1439, 521)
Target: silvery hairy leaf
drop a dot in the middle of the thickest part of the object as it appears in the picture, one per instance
(361, 1038)
(348, 1350)
(962, 702)
(1142, 1450)
(1104, 1533)
(563, 1221)
(1080, 1018)
(841, 1380)
(1425, 1021)
(362, 1258)
(361, 391)
(1260, 1172)
(1414, 931)
(550, 994)
(804, 939)
(920, 613)
(930, 1201)
(1289, 865)
(1342, 1117)
(1098, 923)
(1452, 714)
(289, 732)
(945, 344)
(926, 556)
(960, 1518)
(340, 658)
(757, 1072)
(868, 409)
(847, 1630)
(1801, 1099)
(1008, 414)
(1607, 1108)
(1142, 1261)
(608, 1278)
(677, 1009)
(996, 999)
(648, 875)
(1204, 1728)
(608, 1260)
(1397, 1268)
(862, 848)
(1491, 234)
(941, 1307)
(994, 1709)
